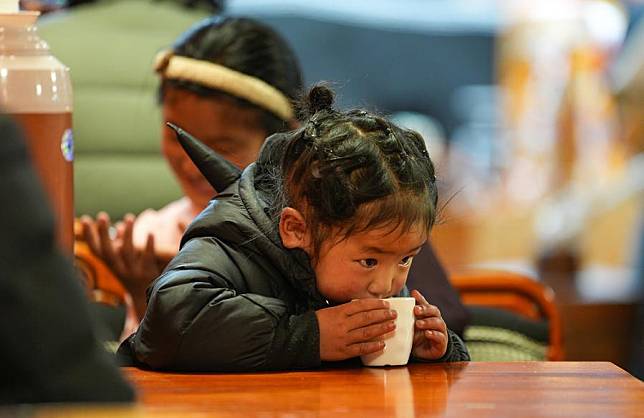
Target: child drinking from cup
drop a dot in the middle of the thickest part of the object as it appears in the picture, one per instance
(233, 119)
(287, 267)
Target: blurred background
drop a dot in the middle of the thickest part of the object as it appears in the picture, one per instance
(532, 112)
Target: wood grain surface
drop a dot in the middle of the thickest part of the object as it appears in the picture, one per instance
(522, 389)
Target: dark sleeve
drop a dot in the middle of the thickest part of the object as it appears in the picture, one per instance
(48, 348)
(428, 276)
(200, 318)
(456, 351)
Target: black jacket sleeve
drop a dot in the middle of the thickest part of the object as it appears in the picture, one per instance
(456, 351)
(200, 317)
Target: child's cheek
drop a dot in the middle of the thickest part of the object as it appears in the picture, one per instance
(400, 283)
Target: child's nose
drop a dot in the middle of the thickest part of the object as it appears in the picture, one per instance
(381, 286)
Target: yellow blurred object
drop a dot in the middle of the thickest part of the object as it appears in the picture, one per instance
(611, 237)
(559, 114)
(101, 284)
(500, 235)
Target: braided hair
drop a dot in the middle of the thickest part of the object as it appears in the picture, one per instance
(354, 171)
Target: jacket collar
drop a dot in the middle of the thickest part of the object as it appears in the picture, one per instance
(294, 264)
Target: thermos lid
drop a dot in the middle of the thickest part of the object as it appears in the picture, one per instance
(9, 6)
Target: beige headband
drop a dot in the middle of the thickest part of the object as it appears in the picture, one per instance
(222, 78)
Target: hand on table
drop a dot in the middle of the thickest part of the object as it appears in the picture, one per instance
(354, 328)
(430, 336)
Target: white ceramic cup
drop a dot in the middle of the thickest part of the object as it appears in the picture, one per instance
(398, 343)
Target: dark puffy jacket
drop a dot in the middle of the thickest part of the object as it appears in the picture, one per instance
(234, 299)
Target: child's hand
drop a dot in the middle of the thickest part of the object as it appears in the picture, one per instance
(430, 337)
(354, 328)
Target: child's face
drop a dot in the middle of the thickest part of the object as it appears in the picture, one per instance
(232, 131)
(372, 264)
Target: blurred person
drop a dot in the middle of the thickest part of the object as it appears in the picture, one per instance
(234, 123)
(232, 119)
(48, 6)
(628, 83)
(48, 350)
(114, 107)
(118, 167)
(636, 361)
(608, 199)
(41, 6)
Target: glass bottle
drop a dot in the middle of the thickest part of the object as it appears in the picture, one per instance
(35, 90)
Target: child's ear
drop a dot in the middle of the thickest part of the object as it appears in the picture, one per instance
(293, 229)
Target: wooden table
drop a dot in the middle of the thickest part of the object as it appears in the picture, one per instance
(535, 389)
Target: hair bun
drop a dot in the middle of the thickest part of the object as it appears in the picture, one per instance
(320, 97)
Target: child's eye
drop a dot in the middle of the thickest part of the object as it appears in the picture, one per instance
(368, 262)
(406, 260)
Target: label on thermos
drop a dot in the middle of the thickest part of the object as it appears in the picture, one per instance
(67, 145)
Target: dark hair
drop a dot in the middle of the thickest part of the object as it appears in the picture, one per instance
(355, 171)
(243, 45)
(214, 6)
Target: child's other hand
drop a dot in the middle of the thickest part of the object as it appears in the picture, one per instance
(430, 336)
(354, 328)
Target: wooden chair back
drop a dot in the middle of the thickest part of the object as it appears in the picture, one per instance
(513, 292)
